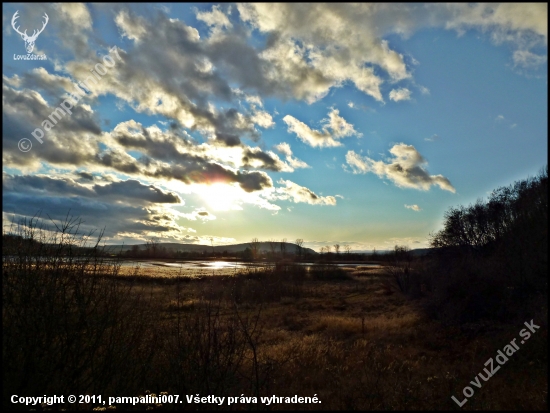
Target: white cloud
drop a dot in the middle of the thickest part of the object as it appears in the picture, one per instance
(262, 118)
(528, 60)
(319, 46)
(215, 18)
(284, 148)
(424, 90)
(334, 127)
(406, 169)
(414, 207)
(400, 94)
(297, 193)
(500, 18)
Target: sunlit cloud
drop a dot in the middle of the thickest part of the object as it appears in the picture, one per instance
(400, 94)
(406, 169)
(297, 193)
(334, 127)
(198, 214)
(414, 207)
(124, 206)
(284, 148)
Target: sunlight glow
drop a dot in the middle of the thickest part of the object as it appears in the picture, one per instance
(220, 197)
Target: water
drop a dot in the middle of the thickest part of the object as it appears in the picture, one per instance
(169, 268)
(191, 268)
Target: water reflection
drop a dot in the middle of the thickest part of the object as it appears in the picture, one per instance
(224, 265)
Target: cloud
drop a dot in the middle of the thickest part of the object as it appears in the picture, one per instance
(120, 207)
(297, 193)
(501, 19)
(130, 191)
(72, 140)
(214, 18)
(406, 169)
(149, 79)
(340, 46)
(527, 59)
(284, 148)
(433, 138)
(75, 22)
(198, 214)
(334, 127)
(424, 90)
(400, 94)
(314, 48)
(414, 207)
(256, 158)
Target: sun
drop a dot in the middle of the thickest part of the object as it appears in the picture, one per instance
(220, 197)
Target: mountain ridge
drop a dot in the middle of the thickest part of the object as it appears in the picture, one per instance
(290, 248)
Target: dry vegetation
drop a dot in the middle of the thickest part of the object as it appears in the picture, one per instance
(350, 337)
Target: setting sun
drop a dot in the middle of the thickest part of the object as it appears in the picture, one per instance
(220, 197)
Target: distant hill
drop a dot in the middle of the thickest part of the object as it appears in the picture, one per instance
(415, 252)
(290, 248)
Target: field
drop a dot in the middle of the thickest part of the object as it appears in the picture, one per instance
(349, 337)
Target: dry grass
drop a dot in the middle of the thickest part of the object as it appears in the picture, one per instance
(350, 337)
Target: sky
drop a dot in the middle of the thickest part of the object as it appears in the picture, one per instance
(352, 124)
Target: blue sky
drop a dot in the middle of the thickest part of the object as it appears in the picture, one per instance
(356, 124)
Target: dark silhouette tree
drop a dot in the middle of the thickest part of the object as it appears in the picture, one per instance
(254, 247)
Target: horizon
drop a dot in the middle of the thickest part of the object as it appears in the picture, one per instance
(350, 124)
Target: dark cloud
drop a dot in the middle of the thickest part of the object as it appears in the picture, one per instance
(131, 191)
(85, 176)
(120, 207)
(71, 140)
(266, 161)
(228, 139)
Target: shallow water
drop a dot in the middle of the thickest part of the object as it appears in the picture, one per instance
(202, 268)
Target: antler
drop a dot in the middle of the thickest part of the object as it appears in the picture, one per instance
(14, 18)
(35, 35)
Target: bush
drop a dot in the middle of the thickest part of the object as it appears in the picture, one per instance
(327, 272)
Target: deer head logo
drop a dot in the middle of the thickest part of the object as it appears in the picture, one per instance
(29, 40)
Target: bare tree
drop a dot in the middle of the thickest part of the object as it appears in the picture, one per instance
(337, 249)
(299, 243)
(347, 248)
(374, 254)
(152, 247)
(135, 250)
(254, 246)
